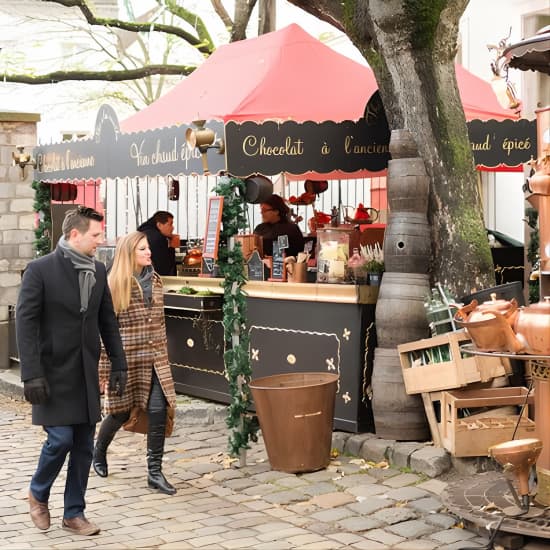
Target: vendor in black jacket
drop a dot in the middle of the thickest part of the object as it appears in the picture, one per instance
(159, 229)
(275, 222)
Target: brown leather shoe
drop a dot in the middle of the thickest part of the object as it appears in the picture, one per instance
(80, 526)
(40, 514)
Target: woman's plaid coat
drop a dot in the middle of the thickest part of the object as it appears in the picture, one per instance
(143, 333)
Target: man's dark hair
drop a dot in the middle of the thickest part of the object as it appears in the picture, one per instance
(79, 219)
(162, 216)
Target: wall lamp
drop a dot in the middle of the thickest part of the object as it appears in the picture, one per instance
(203, 139)
(22, 159)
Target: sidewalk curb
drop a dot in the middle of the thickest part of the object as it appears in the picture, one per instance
(420, 457)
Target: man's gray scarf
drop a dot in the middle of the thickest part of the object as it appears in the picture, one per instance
(85, 266)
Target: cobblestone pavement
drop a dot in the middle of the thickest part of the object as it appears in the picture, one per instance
(219, 505)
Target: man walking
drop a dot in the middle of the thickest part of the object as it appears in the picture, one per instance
(64, 306)
(159, 229)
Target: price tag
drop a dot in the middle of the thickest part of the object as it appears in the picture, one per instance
(278, 272)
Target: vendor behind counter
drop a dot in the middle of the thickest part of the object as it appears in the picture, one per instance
(276, 222)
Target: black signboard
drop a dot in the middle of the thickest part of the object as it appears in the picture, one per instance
(255, 267)
(207, 267)
(213, 224)
(113, 154)
(503, 143)
(270, 148)
(278, 272)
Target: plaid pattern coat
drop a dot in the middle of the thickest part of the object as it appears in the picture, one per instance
(143, 333)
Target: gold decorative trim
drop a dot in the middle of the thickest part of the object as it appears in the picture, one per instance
(308, 292)
(198, 369)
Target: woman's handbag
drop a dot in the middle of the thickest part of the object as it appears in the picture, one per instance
(138, 421)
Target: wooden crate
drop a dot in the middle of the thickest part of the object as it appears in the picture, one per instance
(473, 435)
(454, 371)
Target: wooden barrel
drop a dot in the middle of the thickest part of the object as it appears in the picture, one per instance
(402, 144)
(407, 245)
(400, 312)
(408, 185)
(396, 415)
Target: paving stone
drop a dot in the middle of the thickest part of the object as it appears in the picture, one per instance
(247, 542)
(300, 541)
(384, 537)
(353, 480)
(434, 486)
(444, 521)
(285, 497)
(229, 473)
(261, 489)
(321, 475)
(332, 500)
(318, 488)
(452, 535)
(416, 545)
(396, 514)
(282, 534)
(431, 461)
(380, 474)
(376, 449)
(339, 440)
(402, 480)
(369, 545)
(355, 442)
(428, 505)
(345, 538)
(411, 529)
(371, 505)
(401, 453)
(367, 490)
(357, 524)
(291, 482)
(334, 514)
(269, 476)
(406, 493)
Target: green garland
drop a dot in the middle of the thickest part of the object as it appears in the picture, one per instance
(42, 205)
(237, 357)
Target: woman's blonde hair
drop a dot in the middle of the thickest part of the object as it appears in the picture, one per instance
(121, 277)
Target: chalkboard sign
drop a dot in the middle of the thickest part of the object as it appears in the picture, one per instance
(278, 271)
(255, 267)
(213, 224)
(207, 267)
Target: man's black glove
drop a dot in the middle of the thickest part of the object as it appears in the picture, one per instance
(117, 381)
(36, 390)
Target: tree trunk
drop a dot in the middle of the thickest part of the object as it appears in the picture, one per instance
(411, 47)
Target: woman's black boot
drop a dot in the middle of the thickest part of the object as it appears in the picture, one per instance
(109, 427)
(155, 452)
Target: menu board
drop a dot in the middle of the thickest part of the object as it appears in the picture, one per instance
(213, 225)
(278, 272)
(255, 267)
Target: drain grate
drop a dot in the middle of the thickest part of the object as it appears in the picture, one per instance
(468, 499)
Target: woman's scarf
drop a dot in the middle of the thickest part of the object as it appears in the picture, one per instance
(85, 265)
(145, 280)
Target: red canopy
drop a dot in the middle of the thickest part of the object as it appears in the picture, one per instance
(286, 75)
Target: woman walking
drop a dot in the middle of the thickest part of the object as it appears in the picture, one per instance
(138, 302)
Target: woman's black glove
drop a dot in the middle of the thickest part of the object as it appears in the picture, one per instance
(36, 390)
(117, 381)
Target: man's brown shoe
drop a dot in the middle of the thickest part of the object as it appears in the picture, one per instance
(80, 526)
(40, 514)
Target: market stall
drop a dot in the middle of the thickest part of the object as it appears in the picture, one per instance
(275, 113)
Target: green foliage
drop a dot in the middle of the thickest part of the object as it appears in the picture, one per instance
(236, 358)
(43, 233)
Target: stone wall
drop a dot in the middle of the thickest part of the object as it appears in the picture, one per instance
(16, 214)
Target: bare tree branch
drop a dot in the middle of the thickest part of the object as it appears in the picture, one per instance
(325, 10)
(243, 10)
(110, 76)
(82, 5)
(222, 13)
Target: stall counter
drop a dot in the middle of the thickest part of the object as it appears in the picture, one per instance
(294, 327)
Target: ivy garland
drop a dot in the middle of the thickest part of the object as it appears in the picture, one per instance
(42, 206)
(236, 358)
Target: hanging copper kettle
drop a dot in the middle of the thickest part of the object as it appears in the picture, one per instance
(532, 327)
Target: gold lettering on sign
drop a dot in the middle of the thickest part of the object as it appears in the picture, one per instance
(75, 162)
(252, 147)
(351, 148)
(510, 145)
(51, 162)
(136, 153)
(162, 157)
(325, 149)
(484, 145)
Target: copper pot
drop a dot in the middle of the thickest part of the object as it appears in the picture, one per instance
(489, 325)
(193, 257)
(532, 327)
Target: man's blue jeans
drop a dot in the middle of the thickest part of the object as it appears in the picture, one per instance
(78, 442)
